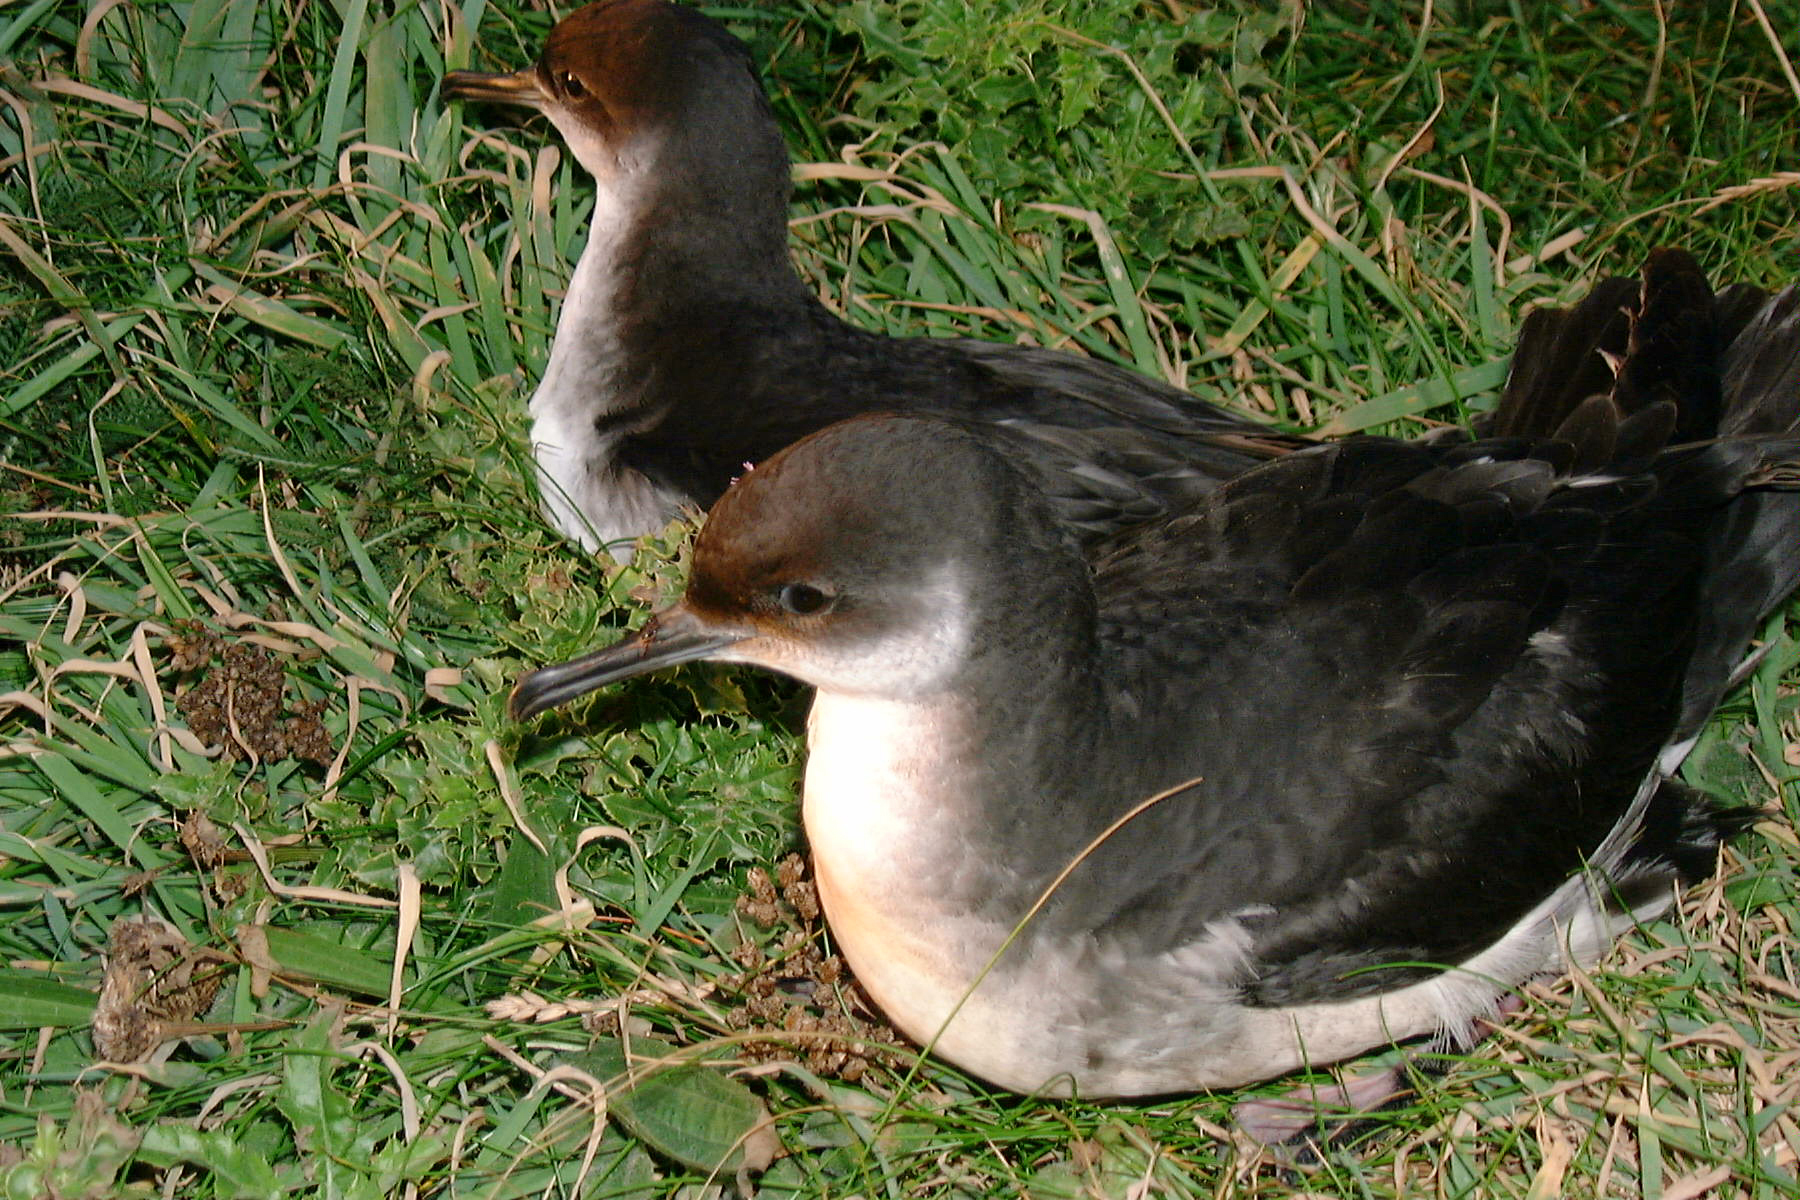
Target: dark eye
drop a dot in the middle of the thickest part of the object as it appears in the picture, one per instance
(803, 599)
(572, 86)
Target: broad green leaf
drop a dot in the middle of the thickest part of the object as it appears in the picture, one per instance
(237, 1171)
(30, 999)
(691, 1112)
(330, 963)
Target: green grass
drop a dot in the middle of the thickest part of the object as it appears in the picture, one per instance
(268, 320)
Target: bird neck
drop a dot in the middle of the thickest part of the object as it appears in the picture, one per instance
(705, 215)
(672, 280)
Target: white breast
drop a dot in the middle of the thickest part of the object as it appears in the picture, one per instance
(883, 833)
(882, 818)
(587, 495)
(877, 822)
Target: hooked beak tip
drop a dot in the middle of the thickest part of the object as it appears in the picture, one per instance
(670, 637)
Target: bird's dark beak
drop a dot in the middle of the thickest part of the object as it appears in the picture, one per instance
(520, 87)
(672, 636)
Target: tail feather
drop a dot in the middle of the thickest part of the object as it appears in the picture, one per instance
(1636, 365)
(1729, 361)
(1564, 356)
(1673, 353)
(1682, 832)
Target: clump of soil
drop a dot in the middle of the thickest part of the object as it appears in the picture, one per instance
(240, 700)
(799, 989)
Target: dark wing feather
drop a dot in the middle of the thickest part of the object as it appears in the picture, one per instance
(1473, 657)
(1762, 368)
(1691, 364)
(1110, 447)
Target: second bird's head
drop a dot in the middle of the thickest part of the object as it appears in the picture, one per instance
(875, 558)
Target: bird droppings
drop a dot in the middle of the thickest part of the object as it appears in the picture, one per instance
(154, 979)
(240, 701)
(798, 989)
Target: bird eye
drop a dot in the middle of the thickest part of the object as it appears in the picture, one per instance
(803, 599)
(572, 86)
